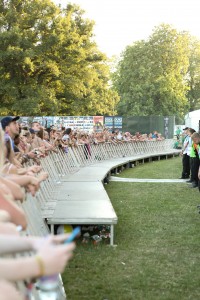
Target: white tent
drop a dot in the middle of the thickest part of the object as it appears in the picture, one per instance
(192, 119)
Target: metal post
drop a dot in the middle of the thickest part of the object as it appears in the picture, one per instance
(112, 235)
(52, 228)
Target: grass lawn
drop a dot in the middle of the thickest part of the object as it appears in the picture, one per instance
(158, 241)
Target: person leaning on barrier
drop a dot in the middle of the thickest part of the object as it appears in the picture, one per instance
(11, 185)
(11, 168)
(23, 143)
(74, 140)
(49, 146)
(50, 255)
(12, 160)
(11, 127)
(9, 152)
(36, 140)
(70, 138)
(67, 134)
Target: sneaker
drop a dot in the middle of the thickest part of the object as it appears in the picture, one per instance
(189, 181)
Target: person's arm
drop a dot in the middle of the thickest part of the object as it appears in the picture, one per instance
(24, 180)
(16, 162)
(49, 261)
(17, 215)
(31, 183)
(10, 229)
(4, 216)
(28, 266)
(42, 176)
(34, 169)
(15, 243)
(16, 190)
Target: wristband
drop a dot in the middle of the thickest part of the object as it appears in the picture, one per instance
(40, 265)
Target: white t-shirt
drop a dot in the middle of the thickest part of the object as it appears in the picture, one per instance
(186, 142)
(65, 137)
(189, 145)
(119, 136)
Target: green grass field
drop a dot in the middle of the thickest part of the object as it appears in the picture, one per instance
(157, 254)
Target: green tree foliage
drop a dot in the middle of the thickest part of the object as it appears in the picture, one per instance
(151, 77)
(49, 64)
(193, 75)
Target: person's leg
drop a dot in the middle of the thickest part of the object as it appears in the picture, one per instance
(192, 169)
(195, 170)
(187, 166)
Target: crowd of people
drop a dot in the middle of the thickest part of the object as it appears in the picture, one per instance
(20, 144)
(37, 136)
(49, 254)
(34, 141)
(190, 157)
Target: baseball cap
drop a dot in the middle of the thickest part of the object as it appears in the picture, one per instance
(186, 128)
(7, 120)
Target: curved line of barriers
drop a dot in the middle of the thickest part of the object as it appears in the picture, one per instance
(63, 164)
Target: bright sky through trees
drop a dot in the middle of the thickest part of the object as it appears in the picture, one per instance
(121, 22)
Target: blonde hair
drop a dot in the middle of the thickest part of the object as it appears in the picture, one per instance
(195, 135)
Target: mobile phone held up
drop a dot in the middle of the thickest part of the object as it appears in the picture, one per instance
(73, 235)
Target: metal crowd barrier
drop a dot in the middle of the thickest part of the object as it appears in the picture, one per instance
(62, 164)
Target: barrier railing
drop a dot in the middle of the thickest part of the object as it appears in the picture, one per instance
(65, 163)
(62, 164)
(84, 155)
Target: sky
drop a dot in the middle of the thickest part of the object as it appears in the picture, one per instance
(119, 23)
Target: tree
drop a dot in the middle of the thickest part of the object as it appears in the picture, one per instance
(193, 75)
(151, 76)
(25, 74)
(49, 64)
